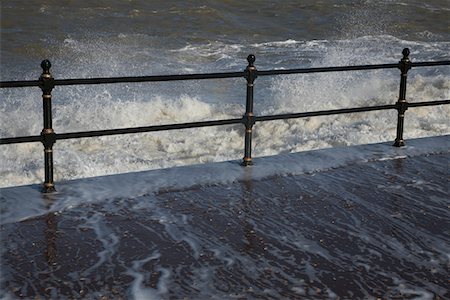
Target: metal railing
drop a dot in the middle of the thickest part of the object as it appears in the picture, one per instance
(48, 136)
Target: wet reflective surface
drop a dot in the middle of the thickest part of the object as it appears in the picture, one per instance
(373, 229)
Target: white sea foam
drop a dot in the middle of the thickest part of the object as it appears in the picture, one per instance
(20, 203)
(129, 105)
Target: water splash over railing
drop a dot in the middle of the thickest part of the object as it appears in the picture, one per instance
(47, 83)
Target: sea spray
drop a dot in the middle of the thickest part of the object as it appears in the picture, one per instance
(82, 108)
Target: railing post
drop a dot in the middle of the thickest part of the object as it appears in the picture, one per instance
(248, 119)
(48, 137)
(402, 105)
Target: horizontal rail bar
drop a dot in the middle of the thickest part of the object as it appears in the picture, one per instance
(430, 63)
(130, 79)
(326, 69)
(349, 68)
(148, 78)
(20, 139)
(20, 83)
(428, 103)
(324, 113)
(72, 135)
(86, 81)
(84, 134)
(346, 111)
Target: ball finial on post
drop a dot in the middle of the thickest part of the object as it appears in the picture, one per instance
(251, 60)
(46, 65)
(406, 53)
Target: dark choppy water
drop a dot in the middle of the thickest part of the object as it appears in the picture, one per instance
(113, 38)
(33, 29)
(124, 239)
(149, 30)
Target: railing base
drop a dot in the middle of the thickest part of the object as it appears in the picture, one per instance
(48, 188)
(399, 143)
(247, 162)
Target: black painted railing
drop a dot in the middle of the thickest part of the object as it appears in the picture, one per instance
(48, 136)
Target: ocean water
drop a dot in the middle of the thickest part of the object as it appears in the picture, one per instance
(132, 38)
(210, 230)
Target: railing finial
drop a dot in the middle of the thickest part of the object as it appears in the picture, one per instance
(46, 65)
(251, 60)
(406, 53)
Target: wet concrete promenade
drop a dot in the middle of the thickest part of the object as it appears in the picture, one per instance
(373, 225)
